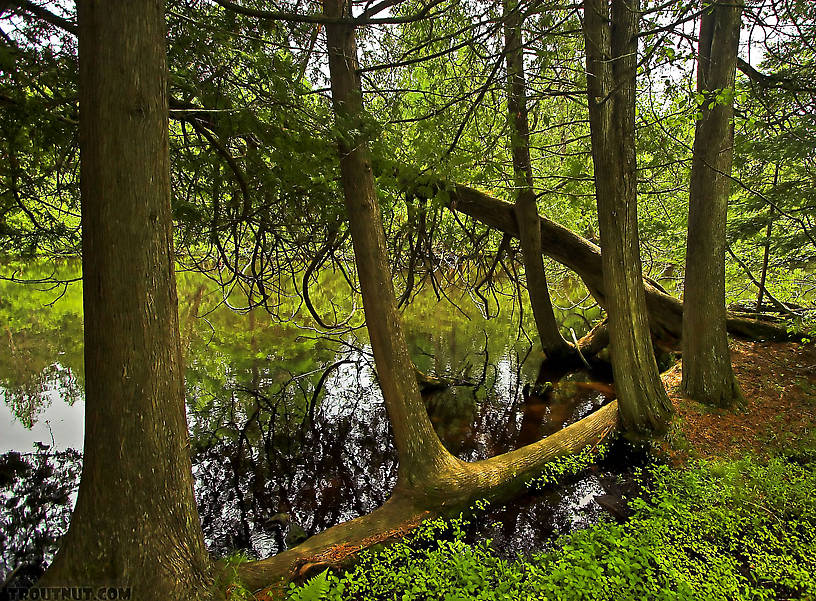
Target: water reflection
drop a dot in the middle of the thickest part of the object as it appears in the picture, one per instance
(288, 428)
(37, 493)
(319, 461)
(323, 461)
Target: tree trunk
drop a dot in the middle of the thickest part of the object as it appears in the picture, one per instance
(430, 481)
(496, 479)
(611, 66)
(707, 373)
(420, 451)
(766, 253)
(584, 257)
(135, 523)
(552, 342)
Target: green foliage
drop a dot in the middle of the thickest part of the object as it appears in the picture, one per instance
(713, 531)
(570, 465)
(230, 581)
(315, 589)
(41, 342)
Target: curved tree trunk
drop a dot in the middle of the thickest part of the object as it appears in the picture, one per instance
(611, 48)
(707, 373)
(135, 523)
(431, 481)
(584, 258)
(420, 451)
(549, 335)
(496, 479)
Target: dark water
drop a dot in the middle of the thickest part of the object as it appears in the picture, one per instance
(287, 424)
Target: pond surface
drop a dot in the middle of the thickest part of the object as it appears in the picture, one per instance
(288, 428)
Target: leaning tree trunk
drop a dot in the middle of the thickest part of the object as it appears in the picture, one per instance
(135, 523)
(496, 479)
(420, 451)
(552, 342)
(611, 50)
(766, 251)
(707, 373)
(430, 480)
(584, 257)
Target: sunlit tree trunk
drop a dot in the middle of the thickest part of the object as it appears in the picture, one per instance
(611, 48)
(707, 373)
(552, 342)
(135, 523)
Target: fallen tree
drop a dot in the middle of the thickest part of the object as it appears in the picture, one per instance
(584, 258)
(448, 491)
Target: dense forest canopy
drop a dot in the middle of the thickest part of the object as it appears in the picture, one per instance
(622, 184)
(250, 118)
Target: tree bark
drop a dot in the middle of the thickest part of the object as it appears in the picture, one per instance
(611, 48)
(135, 523)
(707, 373)
(766, 256)
(526, 207)
(766, 252)
(420, 451)
(584, 258)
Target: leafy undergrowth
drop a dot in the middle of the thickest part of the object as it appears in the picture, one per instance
(727, 530)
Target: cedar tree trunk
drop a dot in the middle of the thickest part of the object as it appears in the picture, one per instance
(420, 451)
(707, 373)
(135, 523)
(552, 342)
(611, 47)
(584, 257)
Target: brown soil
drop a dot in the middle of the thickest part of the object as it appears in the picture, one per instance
(778, 380)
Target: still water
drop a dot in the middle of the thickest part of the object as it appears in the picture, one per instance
(288, 429)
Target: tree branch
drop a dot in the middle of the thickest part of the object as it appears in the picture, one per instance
(771, 81)
(38, 11)
(364, 19)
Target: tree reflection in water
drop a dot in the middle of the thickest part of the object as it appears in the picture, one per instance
(288, 430)
(37, 494)
(272, 457)
(327, 458)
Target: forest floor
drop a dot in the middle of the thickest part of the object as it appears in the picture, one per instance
(778, 381)
(737, 526)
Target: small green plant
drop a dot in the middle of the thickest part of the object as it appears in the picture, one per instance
(315, 588)
(569, 465)
(230, 582)
(676, 437)
(724, 531)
